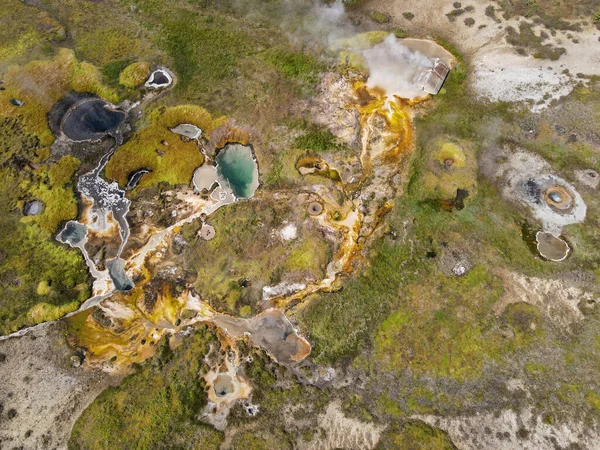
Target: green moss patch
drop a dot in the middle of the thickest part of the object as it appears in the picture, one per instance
(135, 74)
(414, 435)
(171, 158)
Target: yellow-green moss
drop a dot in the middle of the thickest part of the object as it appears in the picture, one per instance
(440, 330)
(135, 74)
(40, 84)
(53, 186)
(361, 41)
(45, 312)
(453, 152)
(171, 158)
(25, 29)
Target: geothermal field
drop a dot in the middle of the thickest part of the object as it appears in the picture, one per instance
(303, 225)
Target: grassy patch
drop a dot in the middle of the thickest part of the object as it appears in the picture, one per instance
(317, 138)
(379, 17)
(27, 31)
(445, 328)
(53, 185)
(154, 408)
(414, 435)
(34, 268)
(527, 42)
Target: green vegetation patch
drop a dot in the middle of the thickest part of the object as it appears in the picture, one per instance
(317, 138)
(379, 17)
(102, 32)
(35, 269)
(247, 247)
(444, 328)
(135, 74)
(414, 435)
(53, 185)
(527, 42)
(156, 407)
(26, 30)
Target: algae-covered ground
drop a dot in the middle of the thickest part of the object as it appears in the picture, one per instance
(397, 238)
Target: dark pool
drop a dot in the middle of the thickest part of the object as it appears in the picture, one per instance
(91, 120)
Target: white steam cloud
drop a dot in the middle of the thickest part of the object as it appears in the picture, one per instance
(392, 67)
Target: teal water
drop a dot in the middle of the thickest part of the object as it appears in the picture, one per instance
(73, 233)
(237, 166)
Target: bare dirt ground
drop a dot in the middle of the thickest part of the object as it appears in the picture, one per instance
(498, 71)
(509, 430)
(41, 395)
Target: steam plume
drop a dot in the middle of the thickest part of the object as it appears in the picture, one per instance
(392, 66)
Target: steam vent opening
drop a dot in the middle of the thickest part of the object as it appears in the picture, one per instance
(559, 198)
(223, 385)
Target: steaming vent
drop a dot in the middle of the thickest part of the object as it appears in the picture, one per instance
(430, 76)
(407, 68)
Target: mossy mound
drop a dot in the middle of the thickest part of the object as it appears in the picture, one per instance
(135, 74)
(451, 155)
(171, 158)
(450, 167)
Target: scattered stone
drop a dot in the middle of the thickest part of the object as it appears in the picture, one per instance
(251, 410)
(589, 178)
(457, 5)
(33, 208)
(469, 21)
(15, 102)
(75, 361)
(410, 16)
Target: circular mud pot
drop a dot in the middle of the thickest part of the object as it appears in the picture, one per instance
(223, 385)
(558, 198)
(91, 120)
(551, 247)
(315, 208)
(207, 232)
